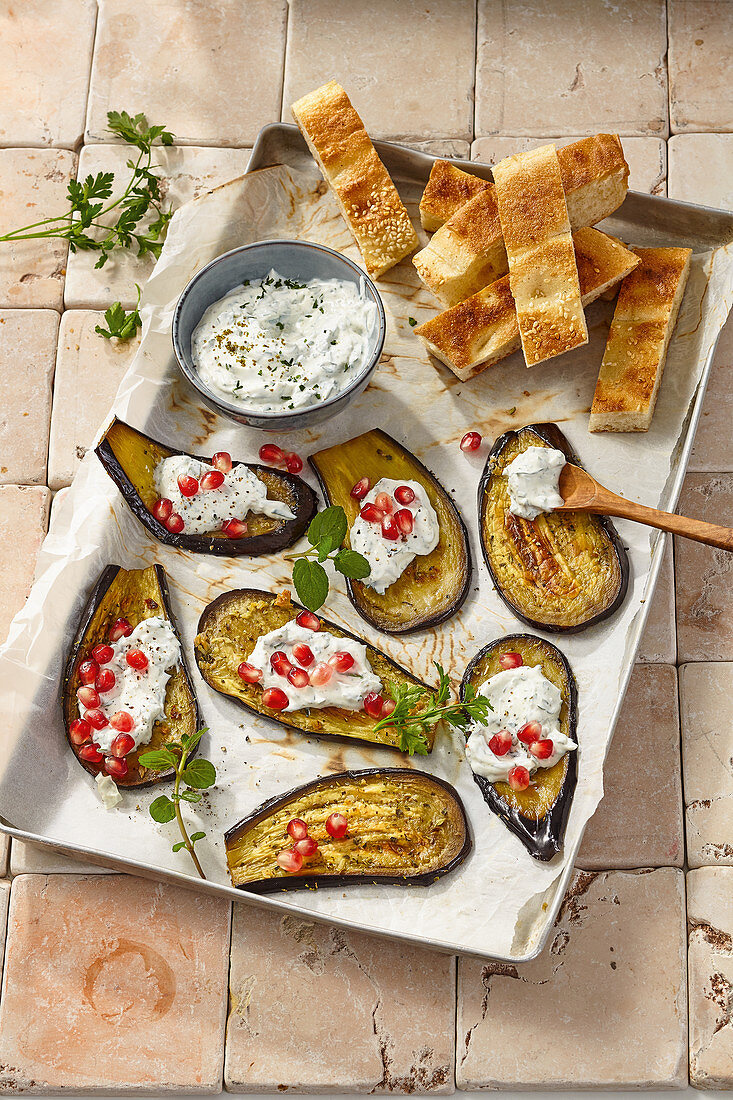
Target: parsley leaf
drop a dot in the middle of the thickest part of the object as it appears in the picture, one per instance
(120, 324)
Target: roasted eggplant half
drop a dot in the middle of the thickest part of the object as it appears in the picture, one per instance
(537, 815)
(130, 458)
(134, 595)
(433, 586)
(227, 632)
(401, 826)
(561, 572)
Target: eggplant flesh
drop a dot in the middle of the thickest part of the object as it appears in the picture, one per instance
(561, 572)
(538, 815)
(130, 459)
(135, 595)
(434, 586)
(227, 632)
(404, 827)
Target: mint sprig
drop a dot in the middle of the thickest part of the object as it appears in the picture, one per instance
(325, 534)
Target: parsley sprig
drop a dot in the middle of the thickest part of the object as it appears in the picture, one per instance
(326, 533)
(120, 323)
(418, 710)
(195, 776)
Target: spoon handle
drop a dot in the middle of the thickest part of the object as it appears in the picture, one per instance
(609, 504)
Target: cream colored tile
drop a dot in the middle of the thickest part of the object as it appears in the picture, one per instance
(713, 447)
(23, 518)
(701, 169)
(706, 701)
(604, 1005)
(408, 67)
(710, 964)
(186, 172)
(27, 356)
(449, 147)
(212, 72)
(703, 574)
(33, 185)
(659, 640)
(34, 859)
(571, 68)
(295, 985)
(699, 62)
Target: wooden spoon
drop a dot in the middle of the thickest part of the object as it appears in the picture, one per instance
(582, 493)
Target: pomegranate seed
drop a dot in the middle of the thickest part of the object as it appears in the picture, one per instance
(122, 744)
(384, 503)
(387, 707)
(212, 479)
(308, 620)
(274, 699)
(373, 704)
(91, 754)
(123, 722)
(390, 530)
(174, 523)
(500, 743)
(403, 494)
(341, 661)
(297, 828)
(88, 671)
(336, 826)
(280, 663)
(530, 732)
(321, 674)
(96, 718)
(293, 462)
(80, 731)
(470, 442)
(188, 485)
(542, 749)
(272, 455)
(136, 659)
(120, 629)
(106, 680)
(162, 509)
(298, 677)
(103, 654)
(118, 769)
(404, 520)
(511, 660)
(371, 513)
(234, 528)
(88, 696)
(222, 460)
(518, 778)
(361, 488)
(303, 654)
(290, 860)
(249, 673)
(308, 846)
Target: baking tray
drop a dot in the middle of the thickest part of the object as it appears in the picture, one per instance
(641, 220)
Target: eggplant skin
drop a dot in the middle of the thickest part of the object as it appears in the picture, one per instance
(399, 797)
(434, 586)
(227, 632)
(133, 594)
(564, 571)
(538, 816)
(130, 457)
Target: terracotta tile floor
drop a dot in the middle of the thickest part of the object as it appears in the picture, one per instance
(131, 963)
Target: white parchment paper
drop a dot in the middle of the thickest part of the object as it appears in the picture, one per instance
(497, 902)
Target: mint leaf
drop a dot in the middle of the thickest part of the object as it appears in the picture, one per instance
(159, 760)
(197, 836)
(311, 583)
(178, 845)
(331, 523)
(351, 564)
(191, 796)
(199, 773)
(162, 809)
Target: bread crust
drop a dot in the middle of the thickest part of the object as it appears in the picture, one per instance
(362, 185)
(447, 189)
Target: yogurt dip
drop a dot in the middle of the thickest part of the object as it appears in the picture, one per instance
(533, 478)
(518, 696)
(273, 345)
(389, 558)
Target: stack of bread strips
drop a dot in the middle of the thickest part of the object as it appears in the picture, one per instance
(643, 321)
(543, 275)
(468, 253)
(362, 185)
(479, 332)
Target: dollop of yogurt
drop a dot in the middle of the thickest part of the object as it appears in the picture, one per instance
(241, 492)
(346, 690)
(517, 695)
(274, 345)
(389, 559)
(140, 694)
(534, 477)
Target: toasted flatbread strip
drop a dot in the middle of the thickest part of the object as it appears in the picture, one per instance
(479, 332)
(543, 275)
(643, 322)
(447, 189)
(351, 167)
(468, 252)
